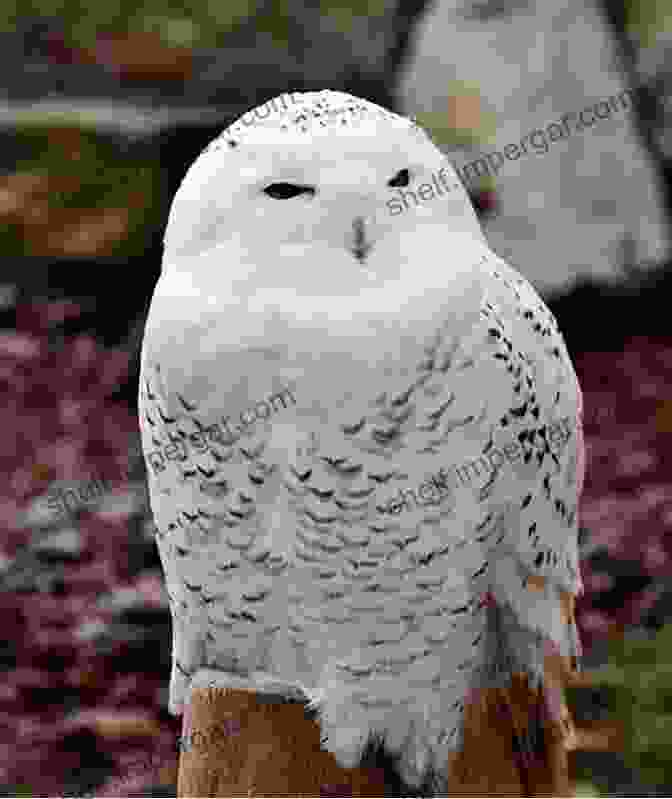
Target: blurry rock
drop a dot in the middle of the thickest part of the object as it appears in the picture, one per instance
(64, 545)
(145, 603)
(122, 502)
(90, 630)
(574, 202)
(8, 296)
(21, 577)
(121, 600)
(50, 580)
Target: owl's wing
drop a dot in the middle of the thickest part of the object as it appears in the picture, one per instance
(547, 422)
(535, 568)
(211, 493)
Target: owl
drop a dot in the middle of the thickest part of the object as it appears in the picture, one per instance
(362, 432)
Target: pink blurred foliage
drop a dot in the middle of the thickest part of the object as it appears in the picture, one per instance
(59, 424)
(19, 346)
(58, 416)
(151, 588)
(594, 622)
(642, 602)
(627, 498)
(595, 582)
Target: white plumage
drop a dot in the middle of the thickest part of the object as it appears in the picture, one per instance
(307, 356)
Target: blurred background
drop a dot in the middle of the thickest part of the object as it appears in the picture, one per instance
(102, 109)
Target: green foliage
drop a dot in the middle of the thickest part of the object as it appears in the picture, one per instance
(106, 180)
(203, 23)
(178, 23)
(647, 18)
(276, 22)
(586, 789)
(20, 789)
(192, 24)
(639, 675)
(343, 11)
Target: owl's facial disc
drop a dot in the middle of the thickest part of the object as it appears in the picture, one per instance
(336, 197)
(313, 190)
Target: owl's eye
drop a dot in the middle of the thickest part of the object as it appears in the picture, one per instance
(285, 191)
(402, 178)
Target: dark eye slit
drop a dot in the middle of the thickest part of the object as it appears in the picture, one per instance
(285, 191)
(402, 178)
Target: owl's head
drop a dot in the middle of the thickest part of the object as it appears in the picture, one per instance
(314, 176)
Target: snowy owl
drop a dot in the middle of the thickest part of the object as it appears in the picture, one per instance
(362, 433)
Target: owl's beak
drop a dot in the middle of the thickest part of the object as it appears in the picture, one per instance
(360, 247)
